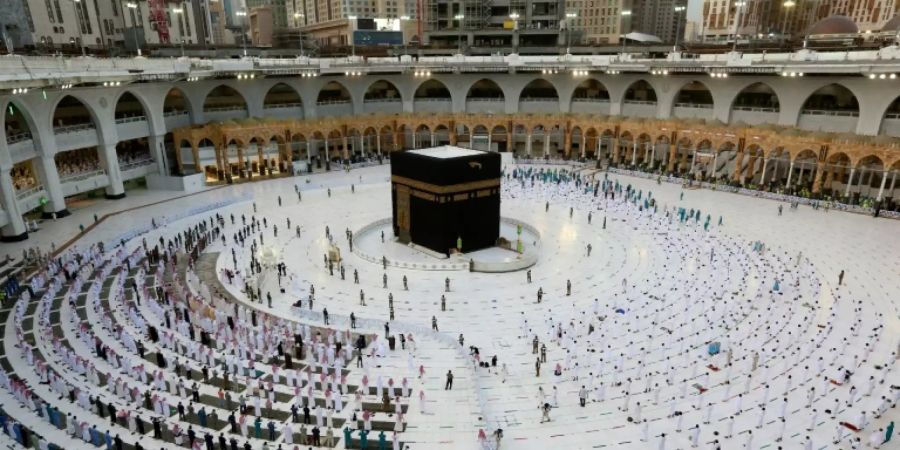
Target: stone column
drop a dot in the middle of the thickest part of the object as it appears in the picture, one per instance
(261, 160)
(817, 179)
(221, 161)
(510, 147)
(433, 140)
(790, 174)
(634, 146)
(567, 143)
(453, 135)
(346, 152)
(715, 165)
(179, 164)
(881, 189)
(673, 149)
(110, 163)
(546, 144)
(15, 230)
(378, 143)
(528, 145)
(762, 179)
(157, 149)
(326, 150)
(849, 182)
(738, 166)
(49, 176)
(241, 165)
(196, 153)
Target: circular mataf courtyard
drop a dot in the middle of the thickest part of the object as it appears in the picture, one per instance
(627, 326)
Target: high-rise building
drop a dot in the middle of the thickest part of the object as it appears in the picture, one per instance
(278, 8)
(659, 18)
(760, 18)
(600, 21)
(98, 24)
(497, 23)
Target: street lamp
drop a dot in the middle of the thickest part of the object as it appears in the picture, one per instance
(297, 17)
(515, 18)
(570, 17)
(788, 4)
(459, 18)
(80, 26)
(352, 32)
(678, 11)
(243, 15)
(625, 13)
(179, 12)
(739, 5)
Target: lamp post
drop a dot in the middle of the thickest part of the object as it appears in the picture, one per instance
(788, 5)
(459, 18)
(80, 26)
(625, 13)
(739, 5)
(352, 19)
(178, 12)
(514, 16)
(678, 11)
(243, 15)
(297, 17)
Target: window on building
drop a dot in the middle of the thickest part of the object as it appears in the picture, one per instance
(50, 16)
(59, 16)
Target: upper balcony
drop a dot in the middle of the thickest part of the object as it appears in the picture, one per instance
(36, 72)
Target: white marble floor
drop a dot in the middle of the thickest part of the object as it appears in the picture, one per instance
(677, 298)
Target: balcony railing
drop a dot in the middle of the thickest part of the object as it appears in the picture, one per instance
(81, 176)
(538, 99)
(135, 164)
(694, 105)
(590, 100)
(130, 119)
(333, 102)
(765, 109)
(382, 100)
(225, 108)
(283, 105)
(830, 112)
(639, 102)
(486, 99)
(73, 128)
(434, 99)
(174, 113)
(18, 137)
(22, 193)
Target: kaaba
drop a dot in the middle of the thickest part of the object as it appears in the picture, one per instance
(446, 196)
